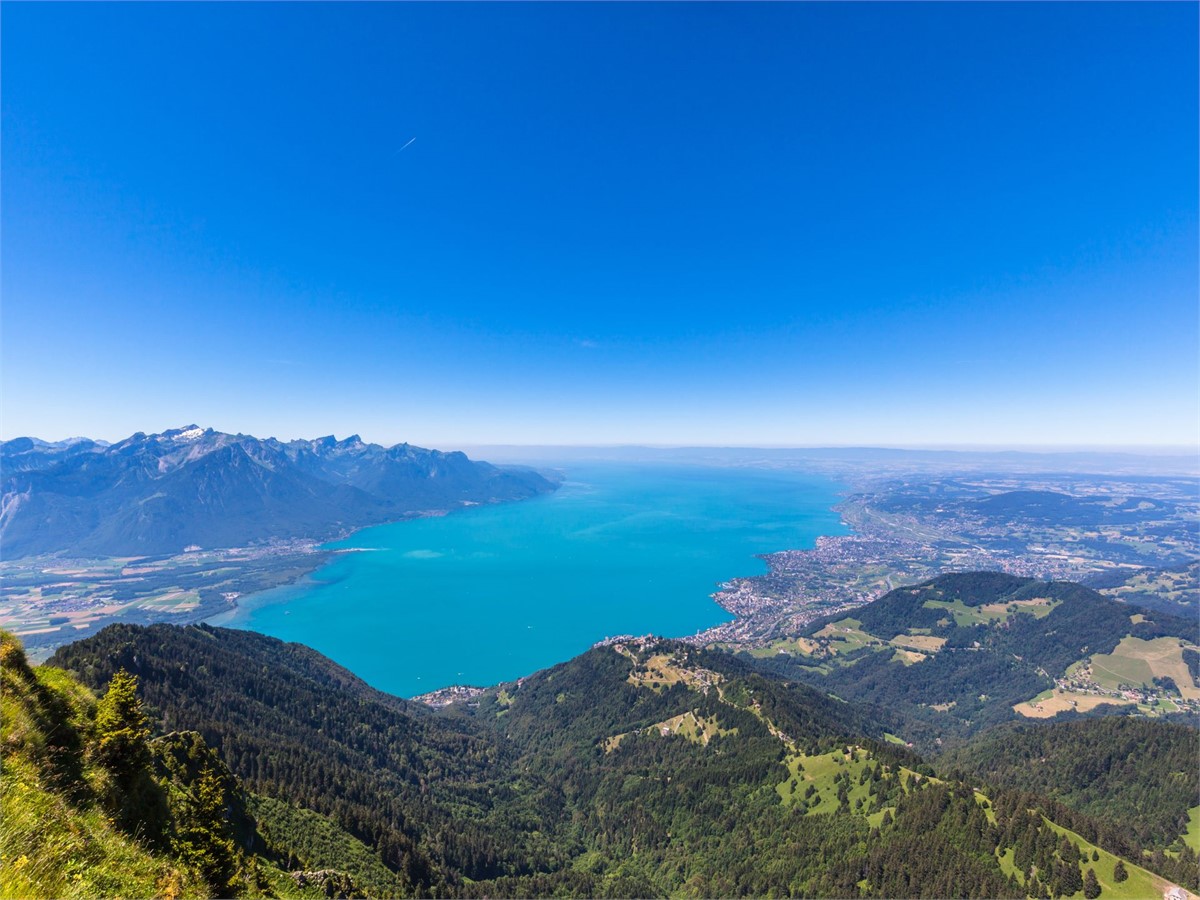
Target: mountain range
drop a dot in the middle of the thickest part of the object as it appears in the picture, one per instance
(193, 487)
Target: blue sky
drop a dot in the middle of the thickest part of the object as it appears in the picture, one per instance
(775, 224)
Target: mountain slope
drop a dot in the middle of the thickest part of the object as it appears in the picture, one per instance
(157, 494)
(645, 768)
(295, 726)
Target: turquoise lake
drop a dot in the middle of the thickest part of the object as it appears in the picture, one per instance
(496, 592)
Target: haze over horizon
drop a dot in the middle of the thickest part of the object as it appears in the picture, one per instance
(512, 452)
(717, 225)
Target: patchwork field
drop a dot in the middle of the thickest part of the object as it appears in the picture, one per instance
(1173, 586)
(1136, 662)
(83, 606)
(846, 636)
(48, 601)
(796, 646)
(908, 657)
(922, 642)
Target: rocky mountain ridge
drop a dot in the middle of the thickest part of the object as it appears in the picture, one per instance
(160, 493)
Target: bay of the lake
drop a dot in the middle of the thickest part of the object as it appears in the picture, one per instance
(491, 593)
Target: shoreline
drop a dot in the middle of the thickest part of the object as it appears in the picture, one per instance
(753, 528)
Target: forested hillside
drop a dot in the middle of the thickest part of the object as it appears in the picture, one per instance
(644, 768)
(1136, 777)
(418, 789)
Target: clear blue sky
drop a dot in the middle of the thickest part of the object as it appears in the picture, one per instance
(775, 224)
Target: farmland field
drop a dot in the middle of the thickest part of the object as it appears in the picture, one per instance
(1052, 702)
(1138, 662)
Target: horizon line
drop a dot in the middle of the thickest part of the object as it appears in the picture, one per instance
(965, 447)
(1154, 449)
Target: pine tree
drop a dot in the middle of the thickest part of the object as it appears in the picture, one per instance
(1091, 887)
(122, 730)
(121, 746)
(1119, 872)
(202, 834)
(1067, 878)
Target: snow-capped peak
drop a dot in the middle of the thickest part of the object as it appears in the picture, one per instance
(188, 433)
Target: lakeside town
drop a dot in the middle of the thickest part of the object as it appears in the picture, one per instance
(1132, 539)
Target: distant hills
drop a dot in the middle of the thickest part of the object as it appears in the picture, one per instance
(1032, 506)
(960, 652)
(160, 493)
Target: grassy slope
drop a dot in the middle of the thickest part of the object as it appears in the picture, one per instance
(54, 840)
(1191, 837)
(819, 771)
(1140, 885)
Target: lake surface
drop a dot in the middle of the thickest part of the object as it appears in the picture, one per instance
(496, 592)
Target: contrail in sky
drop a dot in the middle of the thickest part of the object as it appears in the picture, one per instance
(402, 149)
